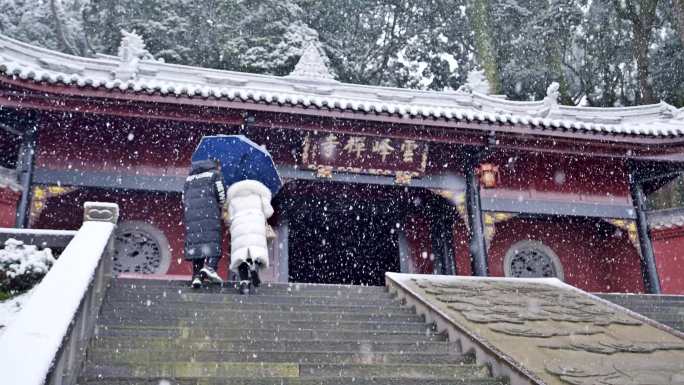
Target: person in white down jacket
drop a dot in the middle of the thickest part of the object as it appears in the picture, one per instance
(249, 205)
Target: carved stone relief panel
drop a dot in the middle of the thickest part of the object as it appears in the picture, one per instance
(559, 333)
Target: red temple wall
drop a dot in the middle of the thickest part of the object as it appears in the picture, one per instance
(417, 230)
(8, 206)
(461, 245)
(143, 147)
(598, 177)
(667, 246)
(154, 148)
(592, 259)
(157, 147)
(164, 211)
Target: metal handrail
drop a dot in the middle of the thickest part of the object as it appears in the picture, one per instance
(46, 343)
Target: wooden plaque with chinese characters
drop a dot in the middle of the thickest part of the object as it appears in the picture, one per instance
(403, 158)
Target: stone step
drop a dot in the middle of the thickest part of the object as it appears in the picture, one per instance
(290, 381)
(231, 298)
(251, 315)
(245, 334)
(164, 333)
(643, 297)
(268, 287)
(417, 326)
(650, 304)
(313, 345)
(657, 315)
(134, 356)
(236, 307)
(283, 369)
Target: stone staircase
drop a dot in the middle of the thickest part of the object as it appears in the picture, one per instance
(163, 333)
(666, 309)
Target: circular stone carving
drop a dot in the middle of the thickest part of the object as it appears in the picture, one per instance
(141, 248)
(532, 259)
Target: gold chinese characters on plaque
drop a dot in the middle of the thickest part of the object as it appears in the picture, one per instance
(402, 158)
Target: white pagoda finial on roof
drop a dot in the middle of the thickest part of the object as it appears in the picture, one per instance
(131, 51)
(311, 66)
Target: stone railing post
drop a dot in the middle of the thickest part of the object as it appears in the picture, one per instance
(46, 344)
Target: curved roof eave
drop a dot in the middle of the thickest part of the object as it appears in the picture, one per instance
(31, 63)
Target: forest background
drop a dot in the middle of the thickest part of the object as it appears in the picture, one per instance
(601, 52)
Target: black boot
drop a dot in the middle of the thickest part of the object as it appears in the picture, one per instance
(243, 272)
(197, 265)
(256, 281)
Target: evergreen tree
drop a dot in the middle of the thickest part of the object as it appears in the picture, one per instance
(642, 16)
(601, 52)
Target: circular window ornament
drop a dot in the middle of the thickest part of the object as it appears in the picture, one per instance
(141, 248)
(532, 259)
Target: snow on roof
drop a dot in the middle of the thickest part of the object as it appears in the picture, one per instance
(666, 219)
(311, 84)
(8, 179)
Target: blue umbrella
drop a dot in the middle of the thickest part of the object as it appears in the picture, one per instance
(240, 159)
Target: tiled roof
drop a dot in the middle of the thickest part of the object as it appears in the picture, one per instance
(666, 219)
(310, 85)
(8, 179)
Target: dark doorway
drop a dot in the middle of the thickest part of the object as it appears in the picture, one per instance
(345, 237)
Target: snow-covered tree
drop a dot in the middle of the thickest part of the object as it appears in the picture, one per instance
(53, 24)
(600, 52)
(22, 266)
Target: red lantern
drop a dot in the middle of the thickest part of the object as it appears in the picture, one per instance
(488, 174)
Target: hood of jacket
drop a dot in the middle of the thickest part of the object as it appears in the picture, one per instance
(248, 187)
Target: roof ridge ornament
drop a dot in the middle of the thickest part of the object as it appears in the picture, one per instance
(670, 111)
(131, 51)
(551, 99)
(311, 66)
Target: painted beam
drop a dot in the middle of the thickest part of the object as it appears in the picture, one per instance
(554, 207)
(109, 180)
(164, 183)
(174, 184)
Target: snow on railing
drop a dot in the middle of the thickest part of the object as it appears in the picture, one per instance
(54, 239)
(46, 343)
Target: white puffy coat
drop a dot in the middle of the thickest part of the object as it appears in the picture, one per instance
(249, 205)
